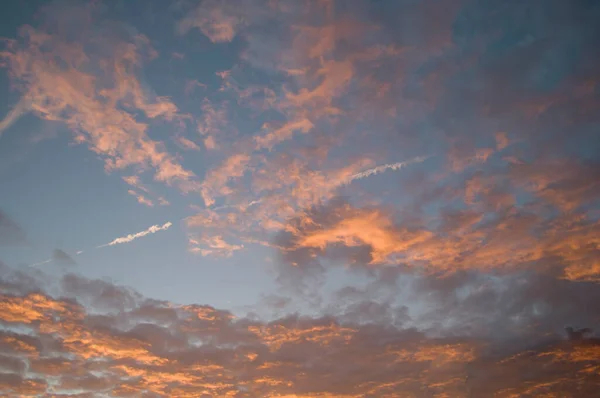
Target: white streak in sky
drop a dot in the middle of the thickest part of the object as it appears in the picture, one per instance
(382, 168)
(238, 206)
(22, 107)
(131, 237)
(40, 263)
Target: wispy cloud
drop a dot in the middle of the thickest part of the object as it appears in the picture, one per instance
(131, 237)
(141, 198)
(72, 94)
(22, 107)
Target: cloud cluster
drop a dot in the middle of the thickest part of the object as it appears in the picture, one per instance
(509, 239)
(471, 263)
(95, 338)
(82, 70)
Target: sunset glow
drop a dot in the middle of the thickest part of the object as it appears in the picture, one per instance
(300, 198)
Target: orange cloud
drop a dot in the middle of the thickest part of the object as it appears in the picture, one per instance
(371, 228)
(140, 198)
(219, 21)
(217, 180)
(188, 144)
(157, 347)
(282, 133)
(214, 245)
(99, 112)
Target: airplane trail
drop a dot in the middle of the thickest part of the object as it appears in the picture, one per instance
(128, 238)
(385, 167)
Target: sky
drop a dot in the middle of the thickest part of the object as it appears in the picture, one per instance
(300, 198)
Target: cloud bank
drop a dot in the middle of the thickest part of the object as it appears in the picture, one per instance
(102, 339)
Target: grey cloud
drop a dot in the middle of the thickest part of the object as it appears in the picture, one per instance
(156, 348)
(11, 233)
(61, 257)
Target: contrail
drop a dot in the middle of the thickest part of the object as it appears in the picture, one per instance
(40, 263)
(22, 107)
(130, 237)
(382, 168)
(247, 205)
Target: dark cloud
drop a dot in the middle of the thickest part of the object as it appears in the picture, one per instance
(10, 232)
(523, 305)
(103, 294)
(61, 257)
(156, 348)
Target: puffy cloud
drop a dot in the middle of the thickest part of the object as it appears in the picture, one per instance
(352, 228)
(513, 239)
(104, 339)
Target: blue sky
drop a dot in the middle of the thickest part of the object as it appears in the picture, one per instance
(416, 165)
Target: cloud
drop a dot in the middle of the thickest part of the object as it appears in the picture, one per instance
(214, 245)
(188, 144)
(144, 199)
(41, 263)
(338, 224)
(131, 237)
(61, 257)
(217, 180)
(382, 168)
(214, 124)
(106, 339)
(282, 133)
(462, 273)
(219, 21)
(10, 232)
(98, 106)
(22, 107)
(513, 239)
(141, 198)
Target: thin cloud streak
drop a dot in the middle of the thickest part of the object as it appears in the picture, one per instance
(385, 167)
(22, 107)
(131, 237)
(41, 263)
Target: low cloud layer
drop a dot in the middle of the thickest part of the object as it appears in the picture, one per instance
(94, 338)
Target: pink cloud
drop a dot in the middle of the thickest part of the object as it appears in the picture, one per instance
(95, 110)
